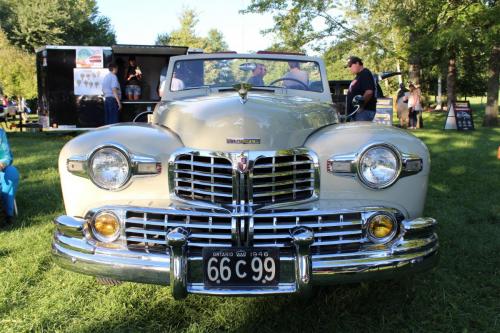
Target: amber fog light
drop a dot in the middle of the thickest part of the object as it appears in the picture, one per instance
(381, 228)
(106, 226)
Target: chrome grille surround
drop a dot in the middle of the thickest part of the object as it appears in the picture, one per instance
(266, 178)
(335, 232)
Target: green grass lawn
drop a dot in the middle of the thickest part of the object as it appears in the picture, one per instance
(461, 295)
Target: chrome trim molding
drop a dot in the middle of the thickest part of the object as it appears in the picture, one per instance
(139, 165)
(243, 141)
(347, 165)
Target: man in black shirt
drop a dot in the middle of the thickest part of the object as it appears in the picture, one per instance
(364, 85)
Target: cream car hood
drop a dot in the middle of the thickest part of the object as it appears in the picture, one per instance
(209, 122)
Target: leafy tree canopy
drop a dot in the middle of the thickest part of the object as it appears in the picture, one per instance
(186, 35)
(29, 24)
(17, 70)
(386, 33)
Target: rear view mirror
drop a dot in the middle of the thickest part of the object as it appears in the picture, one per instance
(248, 66)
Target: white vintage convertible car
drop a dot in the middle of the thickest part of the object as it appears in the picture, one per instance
(245, 189)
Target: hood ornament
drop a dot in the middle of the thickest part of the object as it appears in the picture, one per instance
(242, 89)
(242, 163)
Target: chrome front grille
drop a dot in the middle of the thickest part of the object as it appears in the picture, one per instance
(282, 178)
(203, 178)
(146, 231)
(260, 178)
(333, 232)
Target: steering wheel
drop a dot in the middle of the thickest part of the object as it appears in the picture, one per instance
(290, 79)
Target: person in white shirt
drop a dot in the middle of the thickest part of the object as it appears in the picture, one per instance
(414, 105)
(296, 74)
(177, 84)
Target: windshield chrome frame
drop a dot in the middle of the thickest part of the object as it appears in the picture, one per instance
(323, 96)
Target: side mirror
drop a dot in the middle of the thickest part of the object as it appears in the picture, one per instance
(358, 100)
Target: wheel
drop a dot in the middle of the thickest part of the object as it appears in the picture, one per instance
(290, 79)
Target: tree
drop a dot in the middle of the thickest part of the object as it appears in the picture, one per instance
(162, 39)
(17, 70)
(214, 42)
(425, 35)
(491, 112)
(186, 35)
(29, 24)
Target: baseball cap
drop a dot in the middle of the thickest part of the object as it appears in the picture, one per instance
(352, 60)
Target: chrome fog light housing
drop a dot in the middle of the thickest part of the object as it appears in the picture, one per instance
(381, 228)
(109, 168)
(106, 226)
(379, 166)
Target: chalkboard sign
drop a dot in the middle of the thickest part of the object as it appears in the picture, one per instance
(463, 114)
(460, 117)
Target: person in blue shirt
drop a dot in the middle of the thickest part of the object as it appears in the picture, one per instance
(112, 96)
(9, 176)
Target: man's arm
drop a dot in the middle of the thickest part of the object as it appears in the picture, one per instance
(369, 87)
(367, 96)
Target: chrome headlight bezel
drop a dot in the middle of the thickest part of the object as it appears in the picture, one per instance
(126, 158)
(397, 171)
(139, 165)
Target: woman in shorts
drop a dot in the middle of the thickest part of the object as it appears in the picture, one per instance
(133, 79)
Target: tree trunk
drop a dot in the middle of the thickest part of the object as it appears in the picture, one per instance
(414, 62)
(439, 102)
(491, 113)
(451, 80)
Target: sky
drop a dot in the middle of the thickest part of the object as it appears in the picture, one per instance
(139, 22)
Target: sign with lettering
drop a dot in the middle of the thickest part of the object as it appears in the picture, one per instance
(384, 111)
(460, 117)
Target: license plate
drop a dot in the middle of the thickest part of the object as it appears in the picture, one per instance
(236, 266)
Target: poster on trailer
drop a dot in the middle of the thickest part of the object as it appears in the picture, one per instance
(88, 81)
(89, 57)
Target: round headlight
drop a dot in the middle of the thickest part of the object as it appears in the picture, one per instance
(106, 226)
(381, 228)
(379, 167)
(109, 168)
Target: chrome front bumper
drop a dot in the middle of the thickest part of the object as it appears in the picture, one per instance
(416, 250)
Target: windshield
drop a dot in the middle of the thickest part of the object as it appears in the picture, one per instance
(300, 75)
